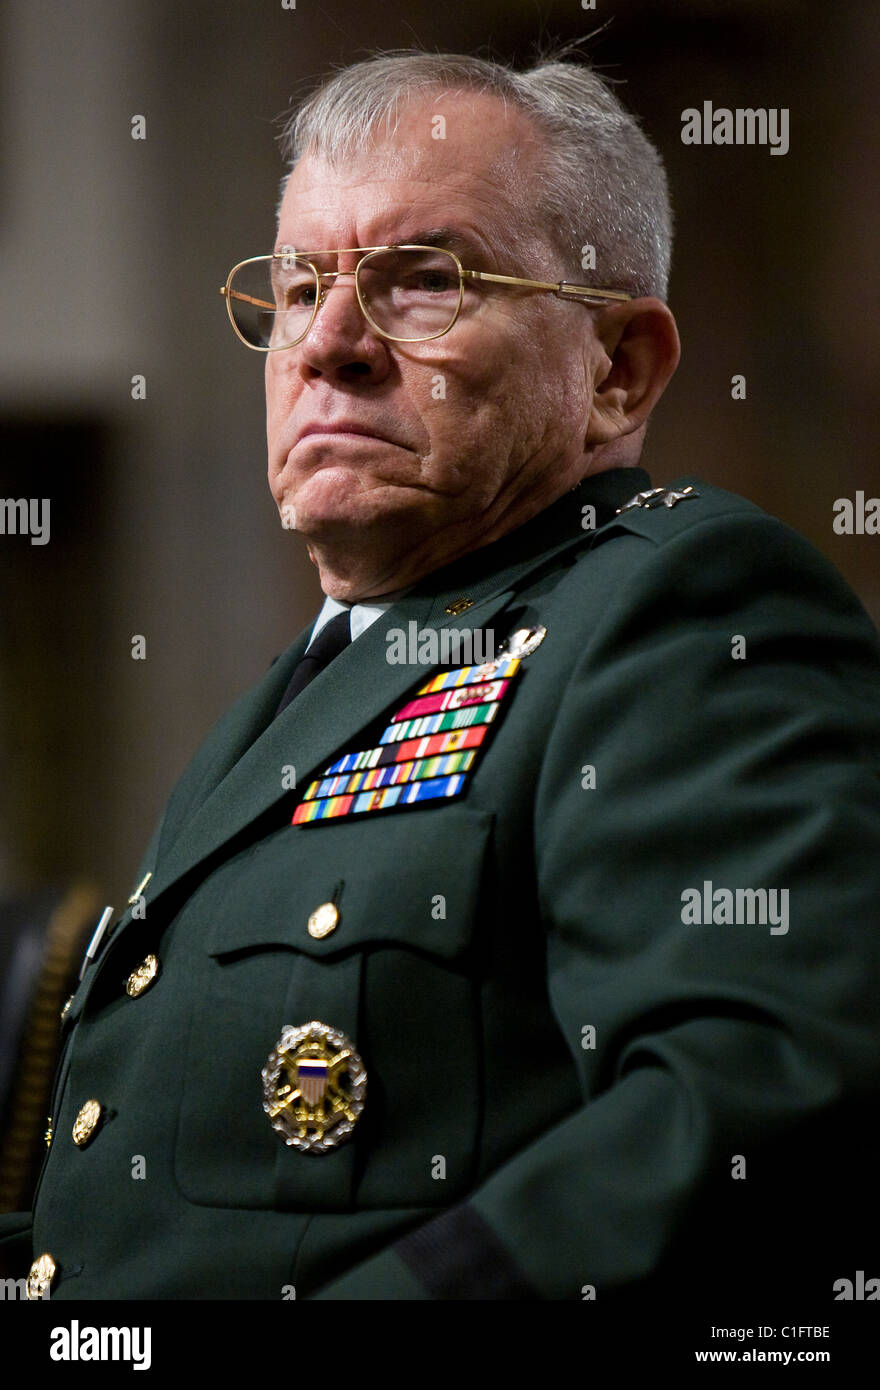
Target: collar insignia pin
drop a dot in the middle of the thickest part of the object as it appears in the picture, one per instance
(658, 497)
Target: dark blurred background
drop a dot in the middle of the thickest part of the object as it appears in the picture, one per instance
(113, 251)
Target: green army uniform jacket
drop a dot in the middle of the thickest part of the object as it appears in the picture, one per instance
(583, 1079)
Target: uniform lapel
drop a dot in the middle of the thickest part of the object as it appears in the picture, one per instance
(230, 739)
(350, 694)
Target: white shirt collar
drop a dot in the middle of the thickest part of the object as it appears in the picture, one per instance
(361, 614)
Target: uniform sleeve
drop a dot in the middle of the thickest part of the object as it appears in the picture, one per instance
(729, 704)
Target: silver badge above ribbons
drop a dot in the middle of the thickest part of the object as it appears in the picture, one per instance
(658, 497)
(521, 643)
(525, 641)
(314, 1084)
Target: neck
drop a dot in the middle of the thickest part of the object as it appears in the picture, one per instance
(356, 570)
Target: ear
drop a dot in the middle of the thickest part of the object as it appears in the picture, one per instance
(640, 349)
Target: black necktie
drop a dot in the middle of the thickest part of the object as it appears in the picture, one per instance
(330, 641)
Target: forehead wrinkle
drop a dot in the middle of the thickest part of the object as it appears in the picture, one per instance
(516, 239)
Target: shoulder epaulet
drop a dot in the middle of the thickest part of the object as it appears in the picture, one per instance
(659, 513)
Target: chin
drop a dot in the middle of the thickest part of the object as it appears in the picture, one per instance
(325, 524)
(334, 498)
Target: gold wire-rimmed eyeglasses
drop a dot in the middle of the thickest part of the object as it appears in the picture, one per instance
(273, 300)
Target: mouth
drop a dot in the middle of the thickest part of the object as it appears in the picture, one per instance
(341, 430)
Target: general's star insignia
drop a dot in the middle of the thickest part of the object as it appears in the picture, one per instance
(658, 497)
(314, 1085)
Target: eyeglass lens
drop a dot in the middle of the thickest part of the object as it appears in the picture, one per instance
(410, 294)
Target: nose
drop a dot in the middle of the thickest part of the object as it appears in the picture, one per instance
(340, 342)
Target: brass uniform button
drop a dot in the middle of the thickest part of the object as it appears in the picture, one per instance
(40, 1277)
(86, 1123)
(66, 1007)
(48, 1135)
(323, 920)
(141, 978)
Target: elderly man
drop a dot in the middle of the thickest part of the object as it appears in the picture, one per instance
(514, 936)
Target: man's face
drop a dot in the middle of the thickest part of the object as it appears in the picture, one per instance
(463, 436)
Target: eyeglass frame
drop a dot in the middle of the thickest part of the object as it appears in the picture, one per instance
(565, 289)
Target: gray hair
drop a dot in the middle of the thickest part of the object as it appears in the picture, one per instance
(602, 181)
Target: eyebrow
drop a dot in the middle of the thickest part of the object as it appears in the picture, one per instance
(446, 237)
